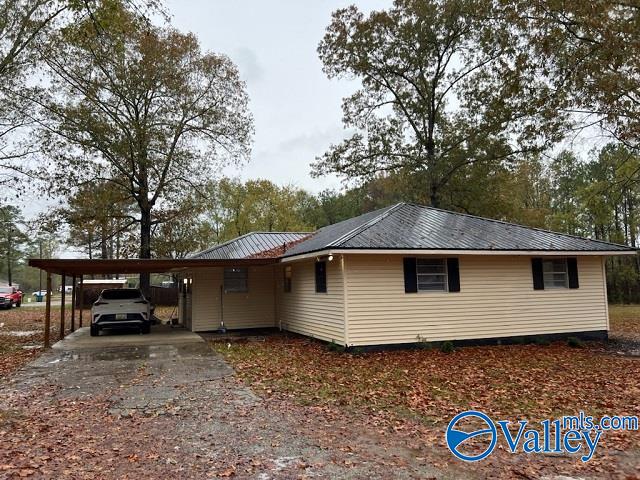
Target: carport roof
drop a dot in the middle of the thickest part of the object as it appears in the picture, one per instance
(136, 265)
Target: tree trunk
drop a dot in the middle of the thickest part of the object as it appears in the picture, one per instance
(103, 241)
(433, 197)
(118, 240)
(145, 246)
(9, 254)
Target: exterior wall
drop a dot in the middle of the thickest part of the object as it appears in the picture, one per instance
(254, 309)
(496, 300)
(184, 305)
(317, 315)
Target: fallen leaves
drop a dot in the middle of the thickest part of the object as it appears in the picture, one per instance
(361, 409)
(401, 389)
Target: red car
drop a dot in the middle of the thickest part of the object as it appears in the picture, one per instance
(10, 296)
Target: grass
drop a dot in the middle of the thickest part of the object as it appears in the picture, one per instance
(624, 322)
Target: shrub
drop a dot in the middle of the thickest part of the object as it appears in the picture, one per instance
(447, 347)
(574, 342)
(423, 342)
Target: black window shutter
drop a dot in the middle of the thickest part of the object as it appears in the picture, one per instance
(453, 274)
(321, 277)
(572, 269)
(410, 275)
(538, 277)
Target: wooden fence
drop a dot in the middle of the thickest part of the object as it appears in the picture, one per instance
(159, 296)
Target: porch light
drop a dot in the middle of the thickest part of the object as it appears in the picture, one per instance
(185, 281)
(330, 258)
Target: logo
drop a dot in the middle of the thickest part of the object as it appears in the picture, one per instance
(471, 432)
(458, 439)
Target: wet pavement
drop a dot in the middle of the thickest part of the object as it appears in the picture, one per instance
(173, 392)
(160, 335)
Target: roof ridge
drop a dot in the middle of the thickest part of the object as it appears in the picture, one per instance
(512, 224)
(361, 228)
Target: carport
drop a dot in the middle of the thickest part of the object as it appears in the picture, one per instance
(77, 269)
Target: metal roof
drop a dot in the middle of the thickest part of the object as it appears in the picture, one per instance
(406, 226)
(249, 245)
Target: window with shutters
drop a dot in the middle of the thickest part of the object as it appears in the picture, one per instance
(321, 277)
(555, 273)
(235, 280)
(431, 274)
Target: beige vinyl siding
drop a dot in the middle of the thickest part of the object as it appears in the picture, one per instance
(254, 309)
(317, 315)
(496, 300)
(205, 299)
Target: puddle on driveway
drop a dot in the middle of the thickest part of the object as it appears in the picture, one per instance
(155, 352)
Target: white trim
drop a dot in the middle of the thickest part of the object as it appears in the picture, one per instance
(604, 287)
(345, 301)
(526, 253)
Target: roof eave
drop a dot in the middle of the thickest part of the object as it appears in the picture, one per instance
(423, 251)
(63, 266)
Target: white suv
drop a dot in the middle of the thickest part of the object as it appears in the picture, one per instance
(121, 308)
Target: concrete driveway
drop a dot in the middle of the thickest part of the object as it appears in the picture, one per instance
(160, 335)
(164, 404)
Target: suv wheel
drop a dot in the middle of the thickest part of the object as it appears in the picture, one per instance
(146, 328)
(95, 330)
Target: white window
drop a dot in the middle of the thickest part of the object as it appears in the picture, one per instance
(555, 273)
(235, 280)
(432, 274)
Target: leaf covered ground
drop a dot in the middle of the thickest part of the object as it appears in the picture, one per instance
(423, 389)
(387, 409)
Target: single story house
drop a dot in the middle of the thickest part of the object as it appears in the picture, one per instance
(403, 274)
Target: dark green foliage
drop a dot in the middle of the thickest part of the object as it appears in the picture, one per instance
(574, 342)
(447, 347)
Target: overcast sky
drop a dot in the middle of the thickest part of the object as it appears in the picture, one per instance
(296, 108)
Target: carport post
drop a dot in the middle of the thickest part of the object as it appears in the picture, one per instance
(73, 304)
(47, 313)
(62, 300)
(81, 292)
